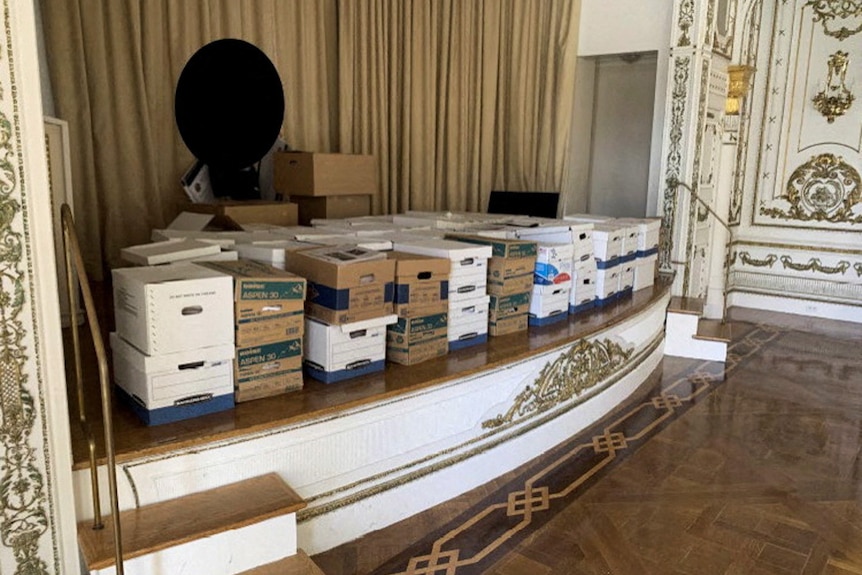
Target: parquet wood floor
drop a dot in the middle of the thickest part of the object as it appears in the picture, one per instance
(758, 474)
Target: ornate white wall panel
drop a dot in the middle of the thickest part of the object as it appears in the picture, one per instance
(37, 528)
(797, 197)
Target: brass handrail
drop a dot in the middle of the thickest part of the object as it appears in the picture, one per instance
(674, 183)
(75, 267)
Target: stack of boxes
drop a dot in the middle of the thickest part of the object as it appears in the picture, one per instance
(646, 251)
(422, 307)
(348, 306)
(174, 345)
(607, 246)
(268, 326)
(326, 185)
(628, 252)
(468, 281)
(510, 281)
(552, 283)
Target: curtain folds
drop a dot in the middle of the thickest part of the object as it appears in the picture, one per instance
(114, 65)
(454, 97)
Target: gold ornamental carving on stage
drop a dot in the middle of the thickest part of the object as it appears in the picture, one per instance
(579, 368)
(824, 189)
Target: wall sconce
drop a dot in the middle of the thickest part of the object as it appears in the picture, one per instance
(738, 84)
(835, 99)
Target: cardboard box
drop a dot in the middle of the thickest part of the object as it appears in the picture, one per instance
(167, 309)
(467, 286)
(501, 269)
(554, 265)
(607, 283)
(465, 259)
(268, 369)
(337, 352)
(627, 276)
(413, 340)
(547, 307)
(421, 284)
(311, 208)
(170, 387)
(607, 244)
(507, 325)
(233, 215)
(645, 271)
(511, 285)
(504, 306)
(168, 251)
(269, 302)
(317, 174)
(345, 283)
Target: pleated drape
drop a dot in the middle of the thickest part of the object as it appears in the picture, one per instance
(454, 97)
(458, 97)
(114, 65)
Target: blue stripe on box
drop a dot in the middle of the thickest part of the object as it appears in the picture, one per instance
(339, 299)
(342, 374)
(625, 292)
(607, 264)
(647, 253)
(172, 413)
(444, 290)
(608, 300)
(628, 257)
(538, 321)
(582, 307)
(402, 292)
(462, 343)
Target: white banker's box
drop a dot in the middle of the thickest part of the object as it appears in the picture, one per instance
(467, 259)
(645, 271)
(166, 309)
(468, 319)
(339, 349)
(176, 385)
(544, 303)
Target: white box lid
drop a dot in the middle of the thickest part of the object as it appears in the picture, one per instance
(167, 251)
(358, 325)
(170, 362)
(455, 251)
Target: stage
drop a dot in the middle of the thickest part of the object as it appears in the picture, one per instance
(365, 453)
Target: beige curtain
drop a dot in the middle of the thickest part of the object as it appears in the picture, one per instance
(114, 66)
(458, 97)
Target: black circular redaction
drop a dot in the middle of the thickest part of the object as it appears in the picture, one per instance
(229, 104)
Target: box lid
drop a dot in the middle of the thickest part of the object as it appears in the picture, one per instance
(357, 325)
(256, 281)
(454, 251)
(160, 275)
(167, 362)
(410, 266)
(500, 247)
(273, 251)
(342, 266)
(168, 251)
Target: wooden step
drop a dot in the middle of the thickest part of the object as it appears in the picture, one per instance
(170, 523)
(299, 564)
(713, 330)
(689, 305)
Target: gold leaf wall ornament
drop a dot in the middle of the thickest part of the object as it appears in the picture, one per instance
(835, 99)
(815, 266)
(833, 14)
(579, 368)
(746, 258)
(824, 189)
(858, 268)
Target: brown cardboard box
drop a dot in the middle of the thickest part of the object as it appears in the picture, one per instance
(345, 284)
(502, 307)
(231, 215)
(337, 207)
(268, 302)
(421, 284)
(510, 285)
(416, 339)
(511, 324)
(268, 369)
(316, 174)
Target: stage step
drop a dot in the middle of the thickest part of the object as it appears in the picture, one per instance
(299, 564)
(222, 531)
(689, 335)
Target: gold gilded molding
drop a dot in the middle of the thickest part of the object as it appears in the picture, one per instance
(824, 189)
(832, 13)
(835, 98)
(579, 368)
(764, 263)
(815, 266)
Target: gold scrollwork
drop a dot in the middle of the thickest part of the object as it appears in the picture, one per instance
(835, 99)
(835, 11)
(824, 189)
(858, 268)
(814, 265)
(746, 258)
(579, 368)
